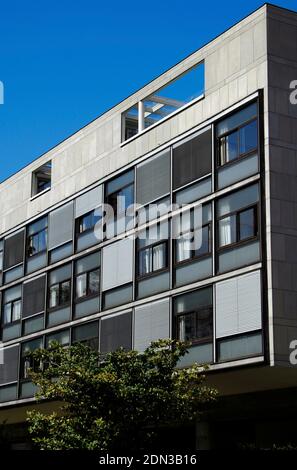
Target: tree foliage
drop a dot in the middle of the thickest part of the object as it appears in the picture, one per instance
(116, 401)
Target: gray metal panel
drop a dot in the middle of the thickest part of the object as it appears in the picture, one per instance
(14, 249)
(151, 323)
(153, 178)
(117, 263)
(116, 332)
(61, 226)
(238, 305)
(34, 297)
(88, 201)
(9, 369)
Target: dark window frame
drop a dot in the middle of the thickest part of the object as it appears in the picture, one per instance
(116, 193)
(14, 322)
(193, 256)
(79, 219)
(239, 242)
(240, 156)
(60, 305)
(151, 247)
(88, 294)
(30, 237)
(197, 341)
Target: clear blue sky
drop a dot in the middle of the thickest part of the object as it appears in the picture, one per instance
(65, 62)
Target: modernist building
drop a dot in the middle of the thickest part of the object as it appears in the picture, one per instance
(216, 131)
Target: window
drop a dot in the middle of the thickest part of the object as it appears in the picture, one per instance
(60, 287)
(119, 196)
(12, 311)
(88, 221)
(152, 249)
(238, 226)
(165, 101)
(194, 316)
(37, 237)
(194, 239)
(27, 361)
(87, 334)
(60, 294)
(120, 193)
(238, 135)
(41, 178)
(87, 284)
(12, 305)
(62, 337)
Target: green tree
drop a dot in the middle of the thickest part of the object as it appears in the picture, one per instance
(117, 401)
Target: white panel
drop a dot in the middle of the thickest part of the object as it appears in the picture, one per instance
(226, 308)
(238, 305)
(61, 225)
(117, 263)
(151, 322)
(88, 201)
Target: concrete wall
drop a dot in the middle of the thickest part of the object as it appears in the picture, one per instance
(235, 66)
(281, 148)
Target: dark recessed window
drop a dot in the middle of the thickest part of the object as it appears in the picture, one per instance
(59, 294)
(59, 291)
(238, 216)
(37, 237)
(27, 361)
(238, 135)
(239, 226)
(88, 221)
(194, 237)
(87, 284)
(152, 251)
(41, 178)
(193, 314)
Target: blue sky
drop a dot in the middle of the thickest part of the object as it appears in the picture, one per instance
(63, 63)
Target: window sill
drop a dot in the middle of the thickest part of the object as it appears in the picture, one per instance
(179, 110)
(39, 194)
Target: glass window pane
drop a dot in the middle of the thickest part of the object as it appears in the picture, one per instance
(81, 285)
(54, 296)
(16, 312)
(7, 313)
(183, 247)
(205, 241)
(65, 292)
(145, 261)
(159, 256)
(227, 230)
(247, 227)
(248, 137)
(231, 142)
(195, 326)
(94, 282)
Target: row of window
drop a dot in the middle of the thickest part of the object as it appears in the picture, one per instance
(238, 245)
(237, 317)
(55, 237)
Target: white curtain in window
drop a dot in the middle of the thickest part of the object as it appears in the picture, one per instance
(159, 257)
(225, 229)
(183, 247)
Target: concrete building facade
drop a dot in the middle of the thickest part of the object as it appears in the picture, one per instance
(215, 137)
